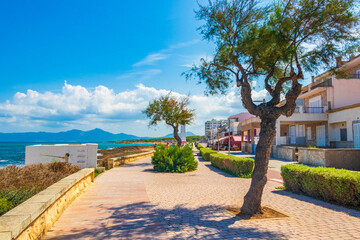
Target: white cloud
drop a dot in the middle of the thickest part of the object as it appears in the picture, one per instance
(82, 108)
(151, 59)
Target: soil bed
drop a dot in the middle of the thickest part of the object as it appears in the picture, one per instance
(267, 212)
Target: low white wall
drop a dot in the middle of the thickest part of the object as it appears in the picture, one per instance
(82, 155)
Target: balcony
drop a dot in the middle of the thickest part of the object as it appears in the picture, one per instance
(312, 114)
(326, 83)
(354, 76)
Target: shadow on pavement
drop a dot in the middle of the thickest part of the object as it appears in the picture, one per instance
(308, 199)
(129, 165)
(142, 221)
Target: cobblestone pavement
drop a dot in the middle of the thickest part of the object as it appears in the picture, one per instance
(192, 206)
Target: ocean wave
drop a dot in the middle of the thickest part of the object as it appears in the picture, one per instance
(3, 160)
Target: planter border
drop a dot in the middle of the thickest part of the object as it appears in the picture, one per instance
(34, 217)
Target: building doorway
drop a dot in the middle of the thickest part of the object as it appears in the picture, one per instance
(293, 134)
(356, 127)
(320, 136)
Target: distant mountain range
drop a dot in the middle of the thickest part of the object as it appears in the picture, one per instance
(95, 135)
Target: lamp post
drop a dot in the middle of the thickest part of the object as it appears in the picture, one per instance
(229, 135)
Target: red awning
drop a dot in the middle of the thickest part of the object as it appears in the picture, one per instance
(236, 138)
(233, 139)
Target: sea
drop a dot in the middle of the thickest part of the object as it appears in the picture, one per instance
(14, 153)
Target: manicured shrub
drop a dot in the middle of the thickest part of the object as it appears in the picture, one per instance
(205, 153)
(174, 159)
(198, 145)
(218, 160)
(241, 167)
(329, 184)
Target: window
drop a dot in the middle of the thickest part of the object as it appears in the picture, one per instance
(343, 134)
(358, 74)
(301, 131)
(315, 105)
(308, 129)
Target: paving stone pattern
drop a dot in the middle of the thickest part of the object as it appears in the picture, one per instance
(134, 202)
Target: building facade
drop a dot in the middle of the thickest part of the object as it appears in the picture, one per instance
(214, 127)
(327, 112)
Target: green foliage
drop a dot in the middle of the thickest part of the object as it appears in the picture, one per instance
(198, 145)
(174, 159)
(258, 41)
(15, 197)
(314, 147)
(5, 205)
(97, 172)
(205, 153)
(240, 167)
(280, 188)
(172, 111)
(329, 184)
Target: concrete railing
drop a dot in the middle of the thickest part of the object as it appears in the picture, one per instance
(34, 217)
(338, 157)
(118, 161)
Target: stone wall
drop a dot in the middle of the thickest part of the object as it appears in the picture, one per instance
(34, 217)
(283, 152)
(118, 161)
(341, 144)
(338, 158)
(343, 158)
(312, 156)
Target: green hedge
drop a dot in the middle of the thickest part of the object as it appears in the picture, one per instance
(329, 184)
(240, 167)
(205, 153)
(174, 159)
(198, 145)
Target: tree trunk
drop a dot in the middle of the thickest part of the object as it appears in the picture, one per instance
(252, 200)
(176, 136)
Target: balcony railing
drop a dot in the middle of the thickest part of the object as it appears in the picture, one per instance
(313, 109)
(326, 83)
(354, 76)
(301, 109)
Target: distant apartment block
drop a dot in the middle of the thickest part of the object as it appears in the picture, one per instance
(213, 127)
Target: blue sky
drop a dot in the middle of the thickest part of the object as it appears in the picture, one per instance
(86, 64)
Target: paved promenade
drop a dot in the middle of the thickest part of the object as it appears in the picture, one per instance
(134, 202)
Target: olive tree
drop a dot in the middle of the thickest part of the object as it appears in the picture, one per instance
(272, 44)
(171, 110)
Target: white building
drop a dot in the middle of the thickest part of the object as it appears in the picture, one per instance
(328, 111)
(212, 127)
(82, 155)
